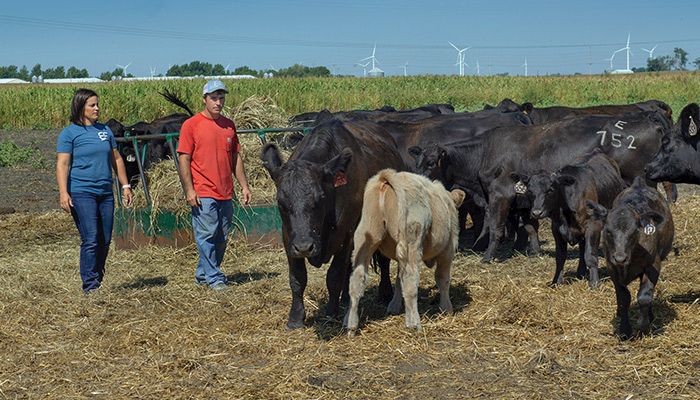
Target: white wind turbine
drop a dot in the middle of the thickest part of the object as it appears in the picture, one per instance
(627, 49)
(372, 58)
(525, 65)
(226, 68)
(153, 71)
(404, 68)
(651, 52)
(460, 57)
(124, 67)
(477, 67)
(364, 67)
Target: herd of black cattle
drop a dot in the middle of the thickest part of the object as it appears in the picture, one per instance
(592, 171)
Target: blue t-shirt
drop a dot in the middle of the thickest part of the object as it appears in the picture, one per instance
(90, 147)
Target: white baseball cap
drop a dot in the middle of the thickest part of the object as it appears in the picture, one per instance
(212, 86)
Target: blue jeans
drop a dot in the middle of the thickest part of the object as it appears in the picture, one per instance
(211, 223)
(93, 215)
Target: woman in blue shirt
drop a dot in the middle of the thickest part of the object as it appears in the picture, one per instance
(86, 153)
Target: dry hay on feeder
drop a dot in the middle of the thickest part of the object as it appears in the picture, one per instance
(257, 112)
(165, 189)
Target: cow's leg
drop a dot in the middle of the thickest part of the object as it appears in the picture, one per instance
(337, 279)
(645, 296)
(410, 259)
(358, 281)
(623, 305)
(442, 280)
(581, 269)
(592, 242)
(395, 306)
(671, 191)
(297, 282)
(560, 255)
(497, 215)
(531, 227)
(385, 289)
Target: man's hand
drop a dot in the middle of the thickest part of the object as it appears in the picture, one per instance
(193, 199)
(246, 195)
(65, 201)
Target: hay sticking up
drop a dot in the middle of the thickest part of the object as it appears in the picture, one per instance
(257, 112)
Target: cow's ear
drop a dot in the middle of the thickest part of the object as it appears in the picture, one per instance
(415, 151)
(596, 211)
(271, 158)
(488, 107)
(689, 119)
(458, 197)
(323, 116)
(650, 218)
(565, 180)
(336, 168)
(516, 177)
(527, 108)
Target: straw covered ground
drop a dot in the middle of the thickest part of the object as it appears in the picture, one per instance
(149, 332)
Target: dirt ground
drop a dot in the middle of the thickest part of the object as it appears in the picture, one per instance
(150, 332)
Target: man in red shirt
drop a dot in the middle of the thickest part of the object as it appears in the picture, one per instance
(209, 154)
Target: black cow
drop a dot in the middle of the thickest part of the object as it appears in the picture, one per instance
(629, 140)
(319, 194)
(638, 235)
(678, 159)
(562, 196)
(385, 113)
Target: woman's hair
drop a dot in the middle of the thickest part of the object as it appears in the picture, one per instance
(78, 104)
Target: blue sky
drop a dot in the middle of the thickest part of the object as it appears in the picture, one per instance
(554, 36)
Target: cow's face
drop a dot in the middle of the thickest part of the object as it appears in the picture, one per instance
(540, 189)
(306, 199)
(678, 159)
(431, 162)
(130, 164)
(622, 230)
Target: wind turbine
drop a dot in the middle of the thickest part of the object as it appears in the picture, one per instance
(124, 67)
(372, 58)
(525, 65)
(226, 68)
(627, 49)
(153, 71)
(611, 60)
(477, 67)
(460, 57)
(651, 52)
(404, 68)
(364, 67)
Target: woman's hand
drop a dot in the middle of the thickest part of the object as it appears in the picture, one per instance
(65, 201)
(128, 196)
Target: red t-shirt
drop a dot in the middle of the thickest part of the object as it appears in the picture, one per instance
(212, 144)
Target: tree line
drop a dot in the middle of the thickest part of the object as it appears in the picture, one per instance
(676, 61)
(194, 68)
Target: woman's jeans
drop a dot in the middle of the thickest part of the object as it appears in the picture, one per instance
(211, 223)
(93, 215)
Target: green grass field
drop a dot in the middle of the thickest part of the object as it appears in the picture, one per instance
(47, 105)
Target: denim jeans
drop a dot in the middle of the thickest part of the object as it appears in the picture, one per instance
(211, 223)
(93, 215)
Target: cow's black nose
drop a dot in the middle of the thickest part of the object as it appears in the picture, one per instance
(303, 248)
(620, 258)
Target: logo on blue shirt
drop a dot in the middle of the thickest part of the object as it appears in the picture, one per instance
(102, 135)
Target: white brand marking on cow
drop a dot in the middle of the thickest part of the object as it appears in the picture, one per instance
(649, 229)
(520, 187)
(130, 158)
(619, 124)
(602, 138)
(631, 146)
(615, 140)
(692, 128)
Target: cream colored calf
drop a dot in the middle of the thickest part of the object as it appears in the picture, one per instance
(412, 220)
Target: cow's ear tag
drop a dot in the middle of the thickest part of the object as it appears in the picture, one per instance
(692, 128)
(649, 229)
(339, 179)
(520, 187)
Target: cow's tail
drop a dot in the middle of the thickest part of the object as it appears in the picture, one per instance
(388, 177)
(175, 99)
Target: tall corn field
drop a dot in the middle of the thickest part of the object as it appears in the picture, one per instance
(47, 105)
